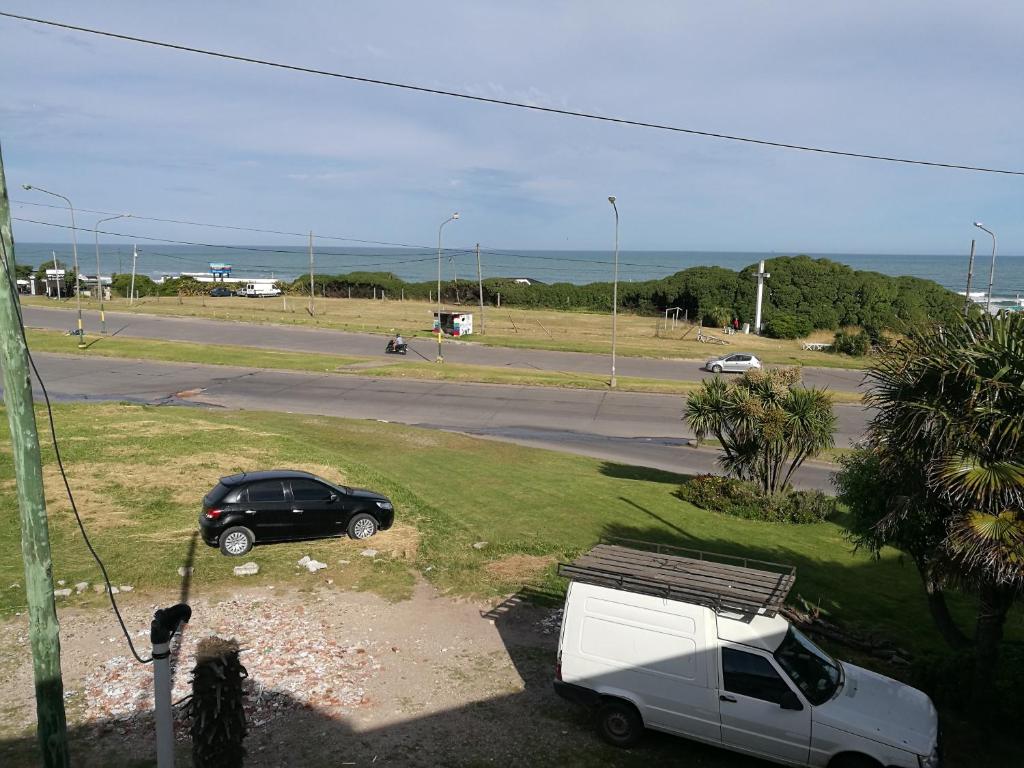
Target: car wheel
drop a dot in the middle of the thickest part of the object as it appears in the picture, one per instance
(619, 723)
(237, 541)
(362, 526)
(853, 760)
(716, 368)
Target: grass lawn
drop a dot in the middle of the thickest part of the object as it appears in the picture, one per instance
(139, 473)
(536, 329)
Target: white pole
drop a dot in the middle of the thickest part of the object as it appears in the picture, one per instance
(55, 271)
(761, 275)
(615, 286)
(131, 292)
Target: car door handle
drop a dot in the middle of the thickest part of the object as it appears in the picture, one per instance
(250, 511)
(727, 698)
(297, 511)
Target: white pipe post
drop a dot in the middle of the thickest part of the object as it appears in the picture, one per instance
(761, 277)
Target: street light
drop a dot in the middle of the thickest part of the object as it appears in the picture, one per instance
(453, 217)
(99, 285)
(615, 285)
(74, 250)
(992, 269)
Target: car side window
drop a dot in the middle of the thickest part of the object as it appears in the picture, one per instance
(742, 358)
(310, 490)
(751, 675)
(732, 358)
(266, 492)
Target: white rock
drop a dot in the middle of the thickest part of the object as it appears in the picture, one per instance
(183, 571)
(249, 569)
(114, 590)
(480, 545)
(61, 592)
(126, 589)
(310, 564)
(99, 589)
(61, 582)
(344, 562)
(15, 585)
(81, 586)
(369, 553)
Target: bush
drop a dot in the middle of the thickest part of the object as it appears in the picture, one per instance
(716, 317)
(786, 326)
(743, 499)
(949, 680)
(849, 343)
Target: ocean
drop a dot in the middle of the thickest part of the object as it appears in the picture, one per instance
(420, 264)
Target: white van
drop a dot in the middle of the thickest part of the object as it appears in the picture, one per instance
(696, 648)
(260, 290)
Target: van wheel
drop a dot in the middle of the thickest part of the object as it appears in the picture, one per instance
(619, 723)
(853, 760)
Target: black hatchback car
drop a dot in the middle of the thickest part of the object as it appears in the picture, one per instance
(286, 505)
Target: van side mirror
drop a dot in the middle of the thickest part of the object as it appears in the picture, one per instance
(790, 700)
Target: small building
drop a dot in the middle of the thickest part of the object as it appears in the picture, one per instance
(455, 323)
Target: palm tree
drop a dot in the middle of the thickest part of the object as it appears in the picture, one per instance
(950, 405)
(766, 424)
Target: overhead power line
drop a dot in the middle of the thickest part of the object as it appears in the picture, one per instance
(508, 103)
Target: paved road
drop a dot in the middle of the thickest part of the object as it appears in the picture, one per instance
(371, 345)
(631, 428)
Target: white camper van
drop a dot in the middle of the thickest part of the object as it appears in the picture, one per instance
(261, 290)
(695, 647)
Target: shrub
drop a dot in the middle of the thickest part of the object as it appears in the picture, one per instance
(949, 681)
(743, 499)
(849, 343)
(787, 326)
(716, 317)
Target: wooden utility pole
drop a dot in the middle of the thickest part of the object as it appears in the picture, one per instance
(43, 629)
(312, 293)
(970, 274)
(480, 287)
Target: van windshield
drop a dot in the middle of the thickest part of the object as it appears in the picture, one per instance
(815, 673)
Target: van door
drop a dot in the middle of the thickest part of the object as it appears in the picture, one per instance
(651, 651)
(751, 703)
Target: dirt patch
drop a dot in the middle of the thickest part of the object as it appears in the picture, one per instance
(335, 678)
(518, 569)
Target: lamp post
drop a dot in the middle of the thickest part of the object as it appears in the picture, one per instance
(99, 285)
(615, 285)
(992, 269)
(74, 251)
(453, 217)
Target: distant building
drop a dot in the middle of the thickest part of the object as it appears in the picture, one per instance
(526, 281)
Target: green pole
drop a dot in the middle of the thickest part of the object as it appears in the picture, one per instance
(43, 629)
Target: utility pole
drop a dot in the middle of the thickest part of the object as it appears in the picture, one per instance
(970, 274)
(480, 288)
(761, 277)
(615, 287)
(312, 295)
(43, 629)
(135, 258)
(55, 271)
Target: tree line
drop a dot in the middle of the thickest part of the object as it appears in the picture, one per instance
(802, 295)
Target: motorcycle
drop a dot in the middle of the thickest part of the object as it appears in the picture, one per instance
(396, 349)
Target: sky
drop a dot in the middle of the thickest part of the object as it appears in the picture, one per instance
(118, 126)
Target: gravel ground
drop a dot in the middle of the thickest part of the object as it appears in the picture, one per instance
(336, 678)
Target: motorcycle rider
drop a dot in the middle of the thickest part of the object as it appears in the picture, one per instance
(398, 340)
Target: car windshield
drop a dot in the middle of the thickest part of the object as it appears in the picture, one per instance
(815, 673)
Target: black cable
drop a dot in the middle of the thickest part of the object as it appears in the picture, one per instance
(507, 103)
(60, 462)
(229, 226)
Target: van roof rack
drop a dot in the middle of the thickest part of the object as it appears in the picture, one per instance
(721, 582)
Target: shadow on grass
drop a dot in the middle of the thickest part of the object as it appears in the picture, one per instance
(632, 472)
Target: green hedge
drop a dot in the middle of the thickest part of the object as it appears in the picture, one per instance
(744, 499)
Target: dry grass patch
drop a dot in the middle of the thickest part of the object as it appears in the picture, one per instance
(518, 569)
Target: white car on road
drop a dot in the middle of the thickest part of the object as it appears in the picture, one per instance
(736, 363)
